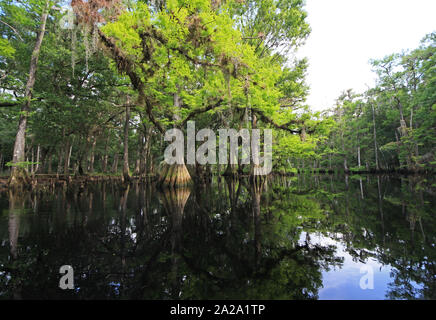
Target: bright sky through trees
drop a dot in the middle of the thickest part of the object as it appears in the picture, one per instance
(346, 34)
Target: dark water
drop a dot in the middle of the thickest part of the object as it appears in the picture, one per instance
(307, 237)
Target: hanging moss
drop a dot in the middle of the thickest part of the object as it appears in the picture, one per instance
(94, 37)
(73, 48)
(85, 33)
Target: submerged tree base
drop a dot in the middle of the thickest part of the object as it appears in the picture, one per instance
(19, 179)
(175, 175)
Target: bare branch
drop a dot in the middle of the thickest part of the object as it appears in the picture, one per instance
(13, 29)
(202, 110)
(285, 126)
(9, 104)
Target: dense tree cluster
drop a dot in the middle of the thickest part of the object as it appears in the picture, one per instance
(93, 89)
(391, 126)
(112, 76)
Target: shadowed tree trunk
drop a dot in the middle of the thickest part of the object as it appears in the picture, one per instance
(149, 166)
(49, 163)
(60, 160)
(115, 164)
(18, 174)
(138, 156)
(92, 157)
(38, 158)
(256, 192)
(126, 170)
(106, 156)
(68, 149)
(32, 160)
(231, 169)
(144, 156)
(403, 130)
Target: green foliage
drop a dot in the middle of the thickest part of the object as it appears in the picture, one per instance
(395, 119)
(6, 50)
(22, 164)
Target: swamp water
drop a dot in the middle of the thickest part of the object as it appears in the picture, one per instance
(303, 237)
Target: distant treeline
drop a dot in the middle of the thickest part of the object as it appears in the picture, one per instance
(392, 126)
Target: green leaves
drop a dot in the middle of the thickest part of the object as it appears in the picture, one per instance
(21, 164)
(6, 49)
(395, 119)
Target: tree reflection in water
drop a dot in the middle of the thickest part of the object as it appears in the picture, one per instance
(230, 239)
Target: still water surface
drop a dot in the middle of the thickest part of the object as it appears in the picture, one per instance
(305, 237)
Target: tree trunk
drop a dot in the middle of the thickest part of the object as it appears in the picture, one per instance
(144, 161)
(138, 157)
(18, 174)
(38, 157)
(126, 170)
(115, 164)
(142, 155)
(49, 160)
(358, 156)
(68, 149)
(92, 157)
(106, 156)
(343, 150)
(60, 160)
(403, 133)
(177, 174)
(148, 161)
(303, 134)
(32, 160)
(377, 167)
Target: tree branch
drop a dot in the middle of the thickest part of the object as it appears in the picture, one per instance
(149, 111)
(201, 110)
(13, 29)
(9, 104)
(285, 126)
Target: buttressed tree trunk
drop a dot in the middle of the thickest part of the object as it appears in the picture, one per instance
(18, 174)
(177, 174)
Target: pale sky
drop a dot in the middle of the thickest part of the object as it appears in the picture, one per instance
(346, 34)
